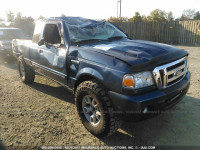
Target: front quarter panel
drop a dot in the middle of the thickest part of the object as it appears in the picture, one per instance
(106, 69)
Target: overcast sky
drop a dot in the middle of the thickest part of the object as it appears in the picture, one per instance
(94, 9)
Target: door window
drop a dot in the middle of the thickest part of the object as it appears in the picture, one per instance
(51, 34)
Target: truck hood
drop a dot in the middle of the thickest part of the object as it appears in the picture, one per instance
(138, 53)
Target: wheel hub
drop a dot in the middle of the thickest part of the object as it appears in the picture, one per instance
(91, 110)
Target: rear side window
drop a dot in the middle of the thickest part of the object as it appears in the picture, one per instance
(51, 34)
(37, 32)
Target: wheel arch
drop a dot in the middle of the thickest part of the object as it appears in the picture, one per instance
(88, 74)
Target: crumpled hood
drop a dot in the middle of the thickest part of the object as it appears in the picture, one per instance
(138, 52)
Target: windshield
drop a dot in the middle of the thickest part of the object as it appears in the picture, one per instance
(98, 31)
(12, 34)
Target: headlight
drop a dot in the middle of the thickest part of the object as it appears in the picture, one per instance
(138, 80)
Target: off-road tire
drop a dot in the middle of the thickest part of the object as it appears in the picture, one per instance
(29, 74)
(109, 123)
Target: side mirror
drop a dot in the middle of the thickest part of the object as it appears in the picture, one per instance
(41, 42)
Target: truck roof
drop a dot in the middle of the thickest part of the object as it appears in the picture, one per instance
(7, 28)
(74, 20)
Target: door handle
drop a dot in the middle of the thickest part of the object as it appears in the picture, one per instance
(73, 59)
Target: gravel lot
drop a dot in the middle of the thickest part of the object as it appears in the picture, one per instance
(43, 114)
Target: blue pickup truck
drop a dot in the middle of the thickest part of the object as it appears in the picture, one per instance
(112, 76)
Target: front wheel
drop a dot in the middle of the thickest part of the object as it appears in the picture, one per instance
(27, 75)
(95, 109)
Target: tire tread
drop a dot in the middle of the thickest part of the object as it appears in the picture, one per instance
(113, 122)
(29, 73)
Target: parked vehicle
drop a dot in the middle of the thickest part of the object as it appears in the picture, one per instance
(6, 37)
(111, 75)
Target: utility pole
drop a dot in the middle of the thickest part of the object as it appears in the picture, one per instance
(119, 5)
(120, 13)
(117, 8)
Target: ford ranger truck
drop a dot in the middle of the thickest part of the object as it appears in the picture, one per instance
(111, 75)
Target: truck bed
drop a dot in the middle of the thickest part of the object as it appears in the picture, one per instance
(18, 45)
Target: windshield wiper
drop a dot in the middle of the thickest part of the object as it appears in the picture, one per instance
(115, 38)
(88, 41)
(97, 40)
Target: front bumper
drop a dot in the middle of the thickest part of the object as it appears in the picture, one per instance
(154, 100)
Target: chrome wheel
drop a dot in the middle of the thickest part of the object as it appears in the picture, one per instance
(91, 110)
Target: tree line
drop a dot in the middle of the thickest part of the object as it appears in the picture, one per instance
(27, 24)
(158, 15)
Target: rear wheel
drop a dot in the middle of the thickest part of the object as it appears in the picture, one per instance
(95, 109)
(27, 75)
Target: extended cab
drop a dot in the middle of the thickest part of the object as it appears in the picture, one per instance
(111, 75)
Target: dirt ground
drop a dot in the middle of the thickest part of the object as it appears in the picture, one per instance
(43, 114)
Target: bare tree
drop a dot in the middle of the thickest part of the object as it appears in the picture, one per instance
(10, 16)
(188, 14)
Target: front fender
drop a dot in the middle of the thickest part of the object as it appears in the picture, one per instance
(90, 72)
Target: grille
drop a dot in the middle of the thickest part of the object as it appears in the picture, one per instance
(171, 73)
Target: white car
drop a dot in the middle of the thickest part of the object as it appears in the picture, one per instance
(6, 37)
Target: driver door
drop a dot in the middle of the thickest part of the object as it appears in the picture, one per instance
(52, 55)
